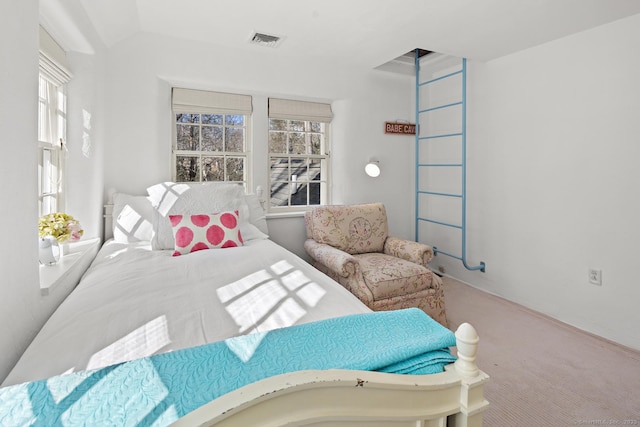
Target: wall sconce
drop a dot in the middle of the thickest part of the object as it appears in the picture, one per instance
(372, 168)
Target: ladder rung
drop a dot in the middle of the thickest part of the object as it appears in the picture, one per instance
(433, 193)
(439, 107)
(438, 251)
(446, 224)
(441, 136)
(440, 78)
(440, 164)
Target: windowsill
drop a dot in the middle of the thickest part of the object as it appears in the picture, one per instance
(76, 258)
(276, 215)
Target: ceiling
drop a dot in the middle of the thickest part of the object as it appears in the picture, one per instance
(362, 33)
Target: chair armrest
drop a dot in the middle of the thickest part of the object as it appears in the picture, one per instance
(334, 259)
(408, 250)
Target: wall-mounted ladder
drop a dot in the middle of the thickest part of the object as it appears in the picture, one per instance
(441, 152)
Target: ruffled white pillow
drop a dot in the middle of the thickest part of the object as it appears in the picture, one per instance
(170, 198)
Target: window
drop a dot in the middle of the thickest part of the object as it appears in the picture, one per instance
(210, 136)
(298, 154)
(52, 125)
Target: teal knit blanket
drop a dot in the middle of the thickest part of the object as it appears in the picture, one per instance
(157, 390)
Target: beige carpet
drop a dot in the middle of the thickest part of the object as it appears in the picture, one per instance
(544, 372)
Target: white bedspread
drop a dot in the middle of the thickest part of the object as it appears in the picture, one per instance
(134, 302)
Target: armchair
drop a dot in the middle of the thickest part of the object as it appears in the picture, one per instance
(351, 245)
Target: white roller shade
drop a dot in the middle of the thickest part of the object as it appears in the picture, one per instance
(299, 110)
(53, 60)
(190, 100)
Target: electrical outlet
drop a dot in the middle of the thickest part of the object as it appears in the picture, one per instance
(595, 276)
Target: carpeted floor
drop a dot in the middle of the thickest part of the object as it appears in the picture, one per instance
(544, 372)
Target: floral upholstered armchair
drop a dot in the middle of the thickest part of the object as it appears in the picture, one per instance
(351, 245)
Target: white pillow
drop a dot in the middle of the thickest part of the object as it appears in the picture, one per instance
(132, 218)
(257, 216)
(169, 198)
(251, 232)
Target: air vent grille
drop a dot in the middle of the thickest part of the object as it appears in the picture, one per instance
(265, 39)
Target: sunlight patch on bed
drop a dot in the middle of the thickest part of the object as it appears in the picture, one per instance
(311, 294)
(248, 309)
(269, 299)
(245, 346)
(281, 267)
(143, 341)
(232, 290)
(287, 314)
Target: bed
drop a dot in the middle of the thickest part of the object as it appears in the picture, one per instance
(243, 333)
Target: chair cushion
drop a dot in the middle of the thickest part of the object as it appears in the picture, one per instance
(354, 229)
(387, 276)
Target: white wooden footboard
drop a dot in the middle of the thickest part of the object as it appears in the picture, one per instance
(357, 398)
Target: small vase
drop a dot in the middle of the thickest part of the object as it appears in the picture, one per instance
(48, 250)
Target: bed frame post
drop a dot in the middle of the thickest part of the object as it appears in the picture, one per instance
(472, 401)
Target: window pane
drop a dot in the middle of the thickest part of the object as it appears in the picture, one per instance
(188, 137)
(47, 172)
(297, 143)
(235, 139)
(315, 126)
(187, 169)
(279, 169)
(212, 119)
(296, 125)
(298, 192)
(188, 118)
(314, 193)
(299, 169)
(277, 124)
(234, 120)
(235, 169)
(213, 168)
(42, 121)
(316, 143)
(48, 205)
(314, 171)
(277, 142)
(212, 138)
(280, 193)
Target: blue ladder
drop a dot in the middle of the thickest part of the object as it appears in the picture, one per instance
(462, 196)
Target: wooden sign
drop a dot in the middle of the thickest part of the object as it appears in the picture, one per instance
(400, 128)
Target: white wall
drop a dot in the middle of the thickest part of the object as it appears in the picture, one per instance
(85, 166)
(552, 179)
(141, 71)
(23, 310)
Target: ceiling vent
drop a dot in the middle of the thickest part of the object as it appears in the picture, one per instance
(263, 39)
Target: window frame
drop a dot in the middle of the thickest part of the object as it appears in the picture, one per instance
(324, 158)
(200, 154)
(210, 103)
(308, 113)
(51, 154)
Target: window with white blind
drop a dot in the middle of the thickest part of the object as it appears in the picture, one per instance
(298, 154)
(210, 136)
(52, 125)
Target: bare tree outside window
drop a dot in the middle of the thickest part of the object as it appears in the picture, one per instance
(210, 147)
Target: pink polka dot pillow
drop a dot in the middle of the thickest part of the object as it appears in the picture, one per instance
(197, 232)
